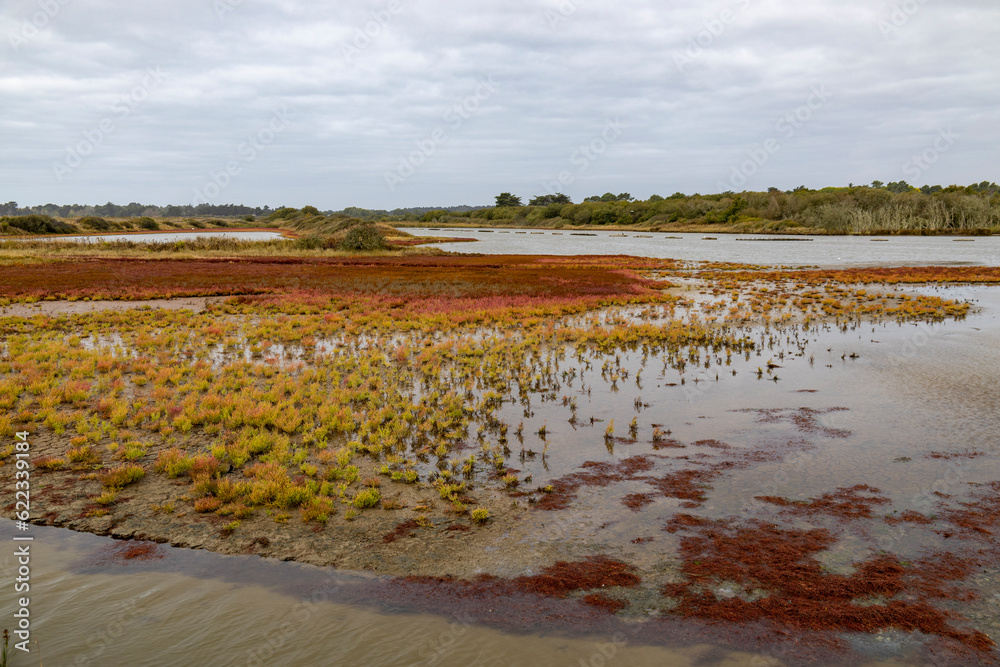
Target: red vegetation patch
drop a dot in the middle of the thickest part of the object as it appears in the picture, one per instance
(636, 501)
(909, 516)
(428, 283)
(981, 516)
(687, 485)
(558, 580)
(602, 601)
(948, 456)
(596, 473)
(889, 276)
(125, 552)
(458, 527)
(844, 503)
(404, 529)
(562, 578)
(805, 419)
(778, 578)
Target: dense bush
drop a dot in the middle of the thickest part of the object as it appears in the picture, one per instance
(364, 237)
(313, 242)
(37, 224)
(283, 213)
(147, 223)
(97, 224)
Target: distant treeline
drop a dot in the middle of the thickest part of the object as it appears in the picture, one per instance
(412, 213)
(895, 207)
(136, 210)
(874, 209)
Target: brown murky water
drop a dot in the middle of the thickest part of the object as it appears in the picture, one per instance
(872, 419)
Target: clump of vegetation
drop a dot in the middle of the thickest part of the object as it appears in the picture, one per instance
(49, 463)
(173, 462)
(122, 476)
(147, 223)
(480, 515)
(95, 223)
(367, 498)
(364, 238)
(283, 214)
(35, 224)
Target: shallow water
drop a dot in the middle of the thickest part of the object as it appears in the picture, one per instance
(741, 248)
(194, 607)
(171, 237)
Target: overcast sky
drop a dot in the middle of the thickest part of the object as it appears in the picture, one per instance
(396, 103)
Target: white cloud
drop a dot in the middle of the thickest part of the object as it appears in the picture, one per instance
(895, 76)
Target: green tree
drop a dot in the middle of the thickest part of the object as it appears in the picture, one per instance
(899, 187)
(545, 200)
(506, 199)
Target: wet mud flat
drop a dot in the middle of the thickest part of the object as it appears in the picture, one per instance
(613, 467)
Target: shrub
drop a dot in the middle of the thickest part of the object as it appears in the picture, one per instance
(283, 214)
(147, 223)
(319, 510)
(106, 498)
(173, 462)
(121, 476)
(98, 224)
(38, 224)
(310, 210)
(363, 238)
(49, 462)
(312, 242)
(83, 454)
(204, 467)
(367, 498)
(204, 505)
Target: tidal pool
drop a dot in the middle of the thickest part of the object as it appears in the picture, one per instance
(739, 248)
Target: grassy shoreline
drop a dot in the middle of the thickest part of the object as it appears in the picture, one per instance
(688, 229)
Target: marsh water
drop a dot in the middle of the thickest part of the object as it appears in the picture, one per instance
(739, 248)
(885, 396)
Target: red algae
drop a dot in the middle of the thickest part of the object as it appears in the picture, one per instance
(636, 501)
(602, 601)
(125, 552)
(562, 578)
(782, 581)
(948, 456)
(687, 485)
(404, 529)
(844, 503)
(909, 516)
(981, 517)
(596, 473)
(805, 419)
